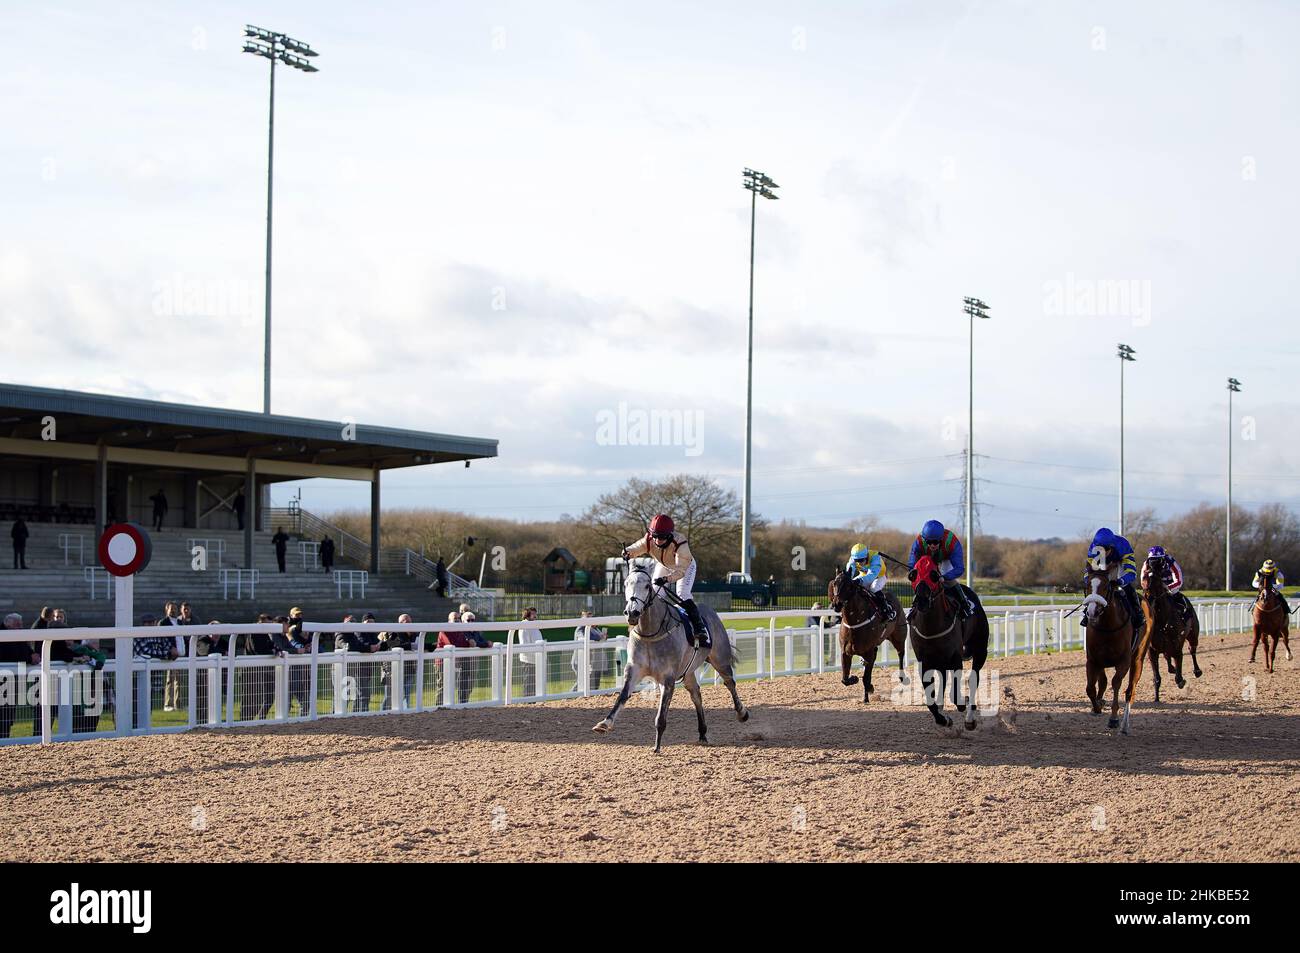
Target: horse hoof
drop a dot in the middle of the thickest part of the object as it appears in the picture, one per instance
(972, 725)
(1180, 682)
(602, 727)
(1112, 724)
(1197, 673)
(742, 715)
(851, 680)
(943, 721)
(703, 740)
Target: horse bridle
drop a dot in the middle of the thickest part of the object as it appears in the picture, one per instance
(666, 625)
(844, 602)
(1264, 593)
(943, 602)
(1111, 592)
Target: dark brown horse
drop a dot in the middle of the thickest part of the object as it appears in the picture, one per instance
(1109, 640)
(1164, 620)
(1270, 620)
(863, 629)
(941, 640)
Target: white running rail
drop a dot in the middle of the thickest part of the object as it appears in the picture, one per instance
(235, 688)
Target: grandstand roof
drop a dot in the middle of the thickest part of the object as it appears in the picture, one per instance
(183, 435)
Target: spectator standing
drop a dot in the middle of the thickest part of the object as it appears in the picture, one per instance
(601, 664)
(406, 641)
(446, 640)
(530, 635)
(280, 541)
(19, 533)
(363, 643)
(207, 644)
(15, 653)
(159, 501)
(172, 679)
(238, 506)
(440, 570)
(159, 648)
(327, 553)
(255, 682)
(466, 669)
(293, 642)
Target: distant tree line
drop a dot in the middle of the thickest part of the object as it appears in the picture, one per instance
(803, 556)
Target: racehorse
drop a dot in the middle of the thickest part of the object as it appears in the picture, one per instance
(1168, 630)
(1109, 641)
(658, 648)
(863, 629)
(942, 639)
(1270, 619)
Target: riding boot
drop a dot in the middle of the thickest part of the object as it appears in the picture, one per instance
(1134, 608)
(964, 608)
(700, 637)
(883, 605)
(1285, 608)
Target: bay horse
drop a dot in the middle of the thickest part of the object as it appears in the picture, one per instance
(1270, 619)
(863, 629)
(1168, 631)
(1109, 642)
(941, 640)
(658, 648)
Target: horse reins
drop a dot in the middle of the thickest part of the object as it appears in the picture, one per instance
(665, 628)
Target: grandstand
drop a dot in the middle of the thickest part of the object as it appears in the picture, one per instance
(70, 462)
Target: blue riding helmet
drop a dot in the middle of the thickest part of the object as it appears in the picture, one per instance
(932, 531)
(1105, 538)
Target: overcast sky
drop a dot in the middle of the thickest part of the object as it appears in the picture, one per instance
(512, 219)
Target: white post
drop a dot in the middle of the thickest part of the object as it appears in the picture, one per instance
(230, 678)
(191, 682)
(397, 688)
(46, 646)
(449, 677)
(282, 689)
(314, 680)
(586, 663)
(123, 652)
(419, 667)
(213, 675)
(771, 647)
(340, 680)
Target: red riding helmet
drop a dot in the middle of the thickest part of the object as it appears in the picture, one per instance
(661, 525)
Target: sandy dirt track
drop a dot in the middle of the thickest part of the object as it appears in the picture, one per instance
(814, 775)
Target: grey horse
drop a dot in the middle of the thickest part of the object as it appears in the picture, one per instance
(658, 648)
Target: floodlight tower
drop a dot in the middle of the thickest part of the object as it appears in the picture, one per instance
(976, 309)
(276, 47)
(758, 184)
(1234, 387)
(1125, 355)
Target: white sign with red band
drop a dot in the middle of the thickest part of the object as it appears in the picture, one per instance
(124, 549)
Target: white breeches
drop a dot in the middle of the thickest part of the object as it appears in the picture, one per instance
(684, 584)
(875, 585)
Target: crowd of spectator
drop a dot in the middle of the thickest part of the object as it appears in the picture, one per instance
(365, 679)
